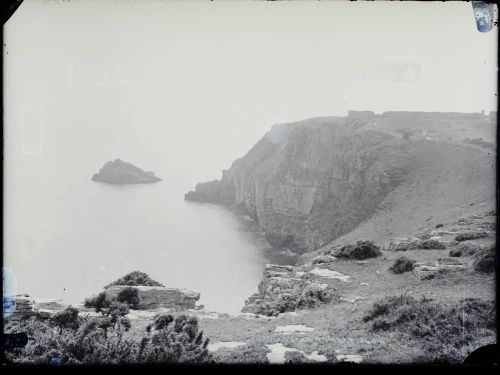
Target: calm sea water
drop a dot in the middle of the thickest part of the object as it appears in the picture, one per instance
(66, 236)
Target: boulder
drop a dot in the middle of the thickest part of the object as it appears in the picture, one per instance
(157, 296)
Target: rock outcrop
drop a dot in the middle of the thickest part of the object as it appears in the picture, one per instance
(19, 307)
(119, 172)
(156, 296)
(285, 289)
(310, 182)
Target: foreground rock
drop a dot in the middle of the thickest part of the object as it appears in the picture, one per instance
(119, 172)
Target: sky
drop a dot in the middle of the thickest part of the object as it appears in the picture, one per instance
(188, 87)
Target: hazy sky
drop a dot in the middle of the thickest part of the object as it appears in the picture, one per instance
(191, 86)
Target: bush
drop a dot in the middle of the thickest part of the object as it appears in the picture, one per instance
(174, 340)
(444, 332)
(110, 307)
(98, 302)
(361, 250)
(471, 236)
(97, 341)
(135, 278)
(67, 318)
(465, 249)
(485, 260)
(129, 296)
(299, 298)
(402, 264)
(431, 245)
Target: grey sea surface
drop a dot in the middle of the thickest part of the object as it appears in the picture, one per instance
(67, 236)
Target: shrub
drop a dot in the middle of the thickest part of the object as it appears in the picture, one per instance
(177, 341)
(162, 321)
(465, 249)
(115, 311)
(129, 296)
(471, 236)
(485, 260)
(98, 302)
(312, 296)
(359, 251)
(135, 278)
(97, 341)
(301, 297)
(431, 245)
(444, 332)
(402, 264)
(109, 307)
(67, 318)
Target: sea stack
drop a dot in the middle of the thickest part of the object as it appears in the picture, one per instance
(119, 172)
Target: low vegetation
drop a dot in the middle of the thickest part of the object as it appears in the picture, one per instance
(359, 251)
(79, 340)
(299, 298)
(130, 296)
(464, 249)
(485, 260)
(402, 264)
(471, 235)
(430, 245)
(446, 333)
(135, 278)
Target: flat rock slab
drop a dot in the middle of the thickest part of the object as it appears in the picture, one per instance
(157, 296)
(224, 345)
(294, 328)
(278, 351)
(329, 274)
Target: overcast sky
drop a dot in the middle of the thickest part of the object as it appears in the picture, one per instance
(194, 85)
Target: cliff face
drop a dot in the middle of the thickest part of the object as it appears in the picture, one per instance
(310, 182)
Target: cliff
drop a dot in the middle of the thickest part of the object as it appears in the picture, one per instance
(310, 182)
(120, 172)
